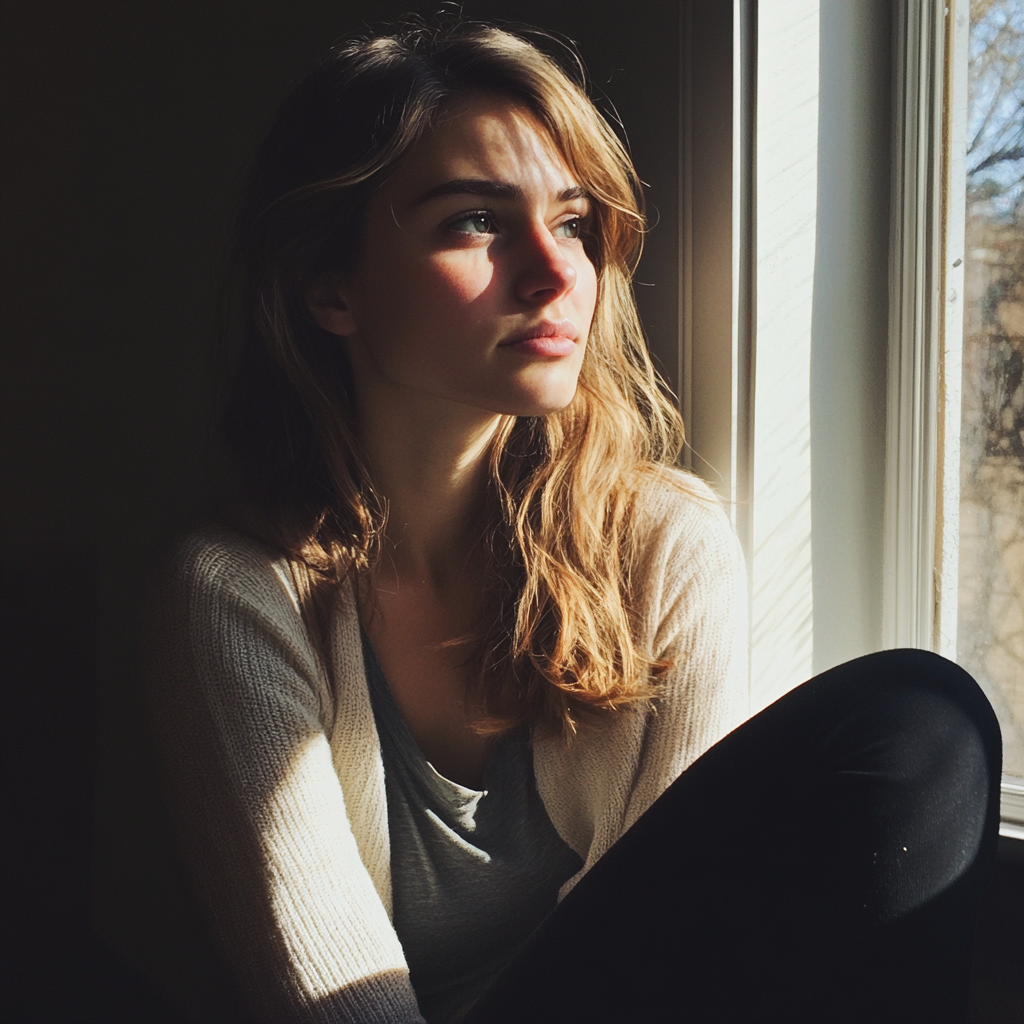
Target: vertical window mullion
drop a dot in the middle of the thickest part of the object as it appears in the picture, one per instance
(914, 339)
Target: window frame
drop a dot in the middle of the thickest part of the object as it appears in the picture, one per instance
(927, 254)
(913, 592)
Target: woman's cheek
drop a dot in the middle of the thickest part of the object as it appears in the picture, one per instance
(586, 287)
(462, 276)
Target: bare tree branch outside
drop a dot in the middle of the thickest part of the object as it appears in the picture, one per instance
(990, 635)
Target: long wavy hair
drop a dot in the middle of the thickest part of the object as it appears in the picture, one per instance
(558, 640)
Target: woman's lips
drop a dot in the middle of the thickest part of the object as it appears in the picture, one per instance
(548, 339)
(546, 346)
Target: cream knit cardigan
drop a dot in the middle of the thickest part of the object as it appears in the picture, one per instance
(277, 785)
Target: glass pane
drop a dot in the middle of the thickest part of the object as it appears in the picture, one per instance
(990, 634)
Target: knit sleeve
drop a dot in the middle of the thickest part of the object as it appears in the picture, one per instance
(697, 624)
(689, 594)
(239, 701)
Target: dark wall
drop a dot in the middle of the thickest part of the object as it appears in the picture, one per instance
(127, 127)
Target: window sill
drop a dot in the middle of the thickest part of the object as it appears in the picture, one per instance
(1011, 808)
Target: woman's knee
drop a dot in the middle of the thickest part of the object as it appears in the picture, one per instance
(914, 723)
(927, 701)
(913, 765)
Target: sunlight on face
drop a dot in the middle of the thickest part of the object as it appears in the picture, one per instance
(474, 286)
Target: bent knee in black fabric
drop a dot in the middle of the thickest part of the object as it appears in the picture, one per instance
(823, 861)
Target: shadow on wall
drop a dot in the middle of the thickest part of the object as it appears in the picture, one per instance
(55, 968)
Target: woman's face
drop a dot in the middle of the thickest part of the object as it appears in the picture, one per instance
(473, 287)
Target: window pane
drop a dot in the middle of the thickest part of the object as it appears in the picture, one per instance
(990, 633)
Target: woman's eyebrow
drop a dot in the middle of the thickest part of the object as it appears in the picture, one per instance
(491, 190)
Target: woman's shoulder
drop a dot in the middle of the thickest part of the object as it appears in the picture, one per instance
(680, 516)
(687, 559)
(222, 590)
(218, 560)
(227, 613)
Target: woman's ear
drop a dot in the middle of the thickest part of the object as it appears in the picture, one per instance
(329, 308)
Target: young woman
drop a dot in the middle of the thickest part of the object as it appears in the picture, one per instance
(443, 719)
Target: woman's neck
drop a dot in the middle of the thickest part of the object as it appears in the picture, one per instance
(429, 461)
(430, 464)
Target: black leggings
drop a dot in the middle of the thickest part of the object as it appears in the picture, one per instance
(823, 862)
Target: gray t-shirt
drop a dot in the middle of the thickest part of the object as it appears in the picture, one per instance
(473, 871)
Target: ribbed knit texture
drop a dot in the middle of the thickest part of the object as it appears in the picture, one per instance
(277, 786)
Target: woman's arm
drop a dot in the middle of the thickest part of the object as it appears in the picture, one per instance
(697, 609)
(689, 589)
(239, 699)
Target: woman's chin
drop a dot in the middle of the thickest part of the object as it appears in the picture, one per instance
(535, 403)
(540, 394)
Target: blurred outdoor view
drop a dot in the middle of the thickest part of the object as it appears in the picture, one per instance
(990, 634)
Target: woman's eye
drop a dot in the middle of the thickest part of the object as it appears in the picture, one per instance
(475, 224)
(570, 228)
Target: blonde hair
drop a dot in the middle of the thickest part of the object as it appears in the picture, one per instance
(560, 640)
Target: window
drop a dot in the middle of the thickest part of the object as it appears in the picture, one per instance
(838, 327)
(785, 196)
(955, 489)
(990, 619)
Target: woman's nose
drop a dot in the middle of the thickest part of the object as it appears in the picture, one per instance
(546, 274)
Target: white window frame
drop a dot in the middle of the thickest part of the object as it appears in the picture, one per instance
(922, 524)
(731, 346)
(735, 336)
(916, 332)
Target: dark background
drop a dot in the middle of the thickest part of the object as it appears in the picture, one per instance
(127, 127)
